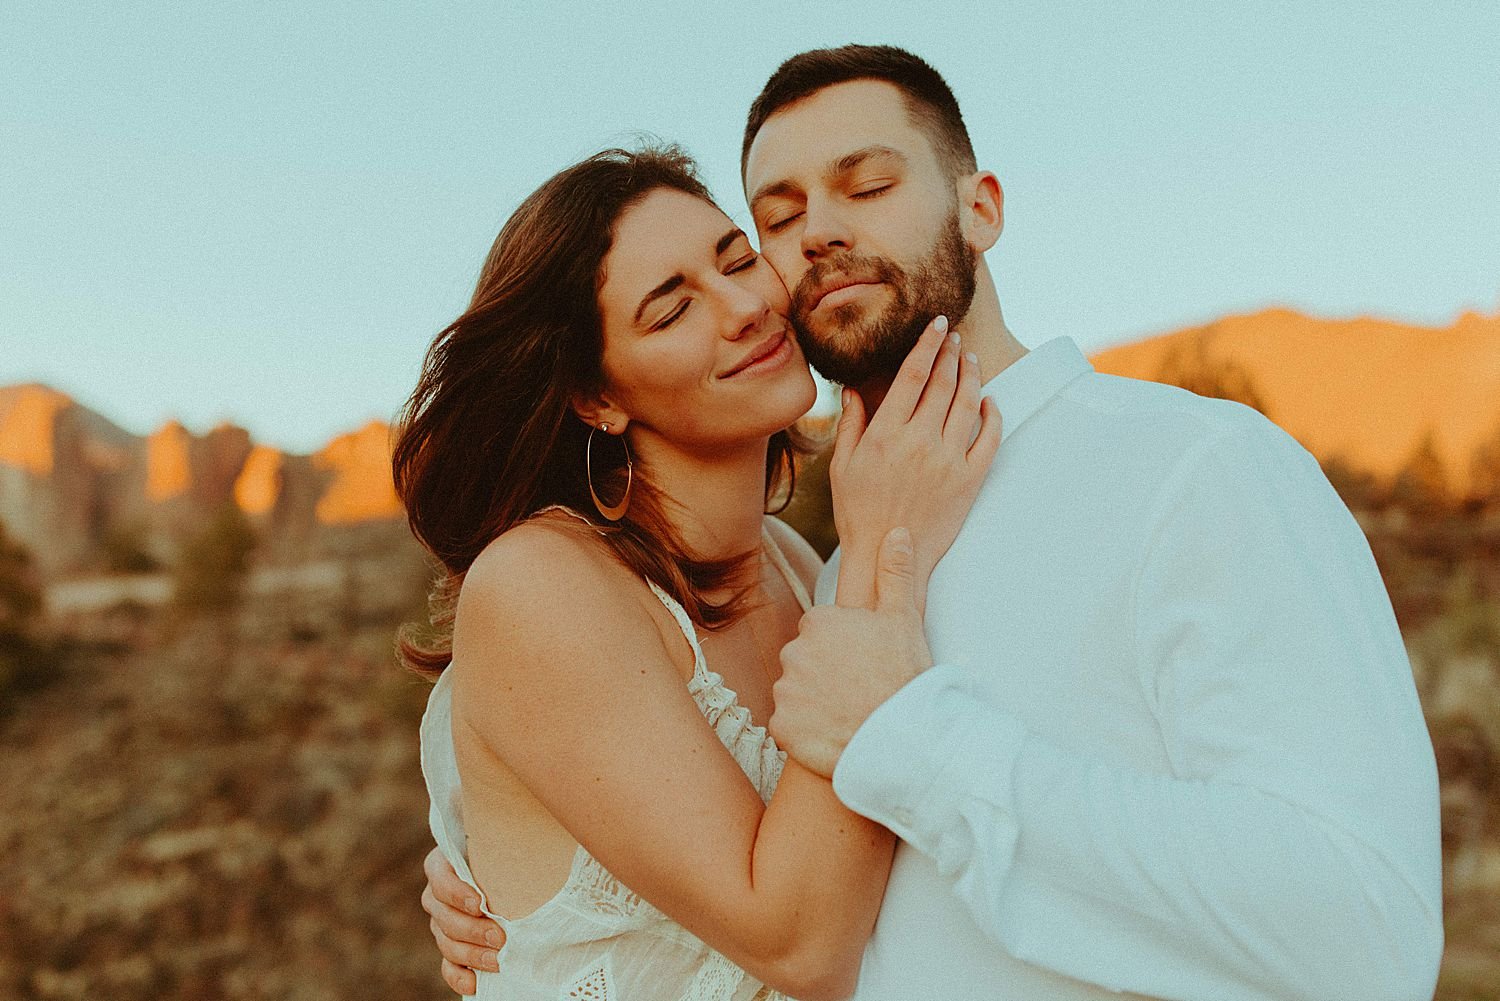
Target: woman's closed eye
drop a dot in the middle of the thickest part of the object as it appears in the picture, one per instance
(743, 264)
(672, 317)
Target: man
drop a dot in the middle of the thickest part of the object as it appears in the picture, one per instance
(1167, 741)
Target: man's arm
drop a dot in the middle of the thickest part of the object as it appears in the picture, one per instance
(1292, 853)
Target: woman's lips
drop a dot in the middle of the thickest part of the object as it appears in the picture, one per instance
(765, 362)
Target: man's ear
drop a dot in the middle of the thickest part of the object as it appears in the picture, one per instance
(595, 409)
(982, 207)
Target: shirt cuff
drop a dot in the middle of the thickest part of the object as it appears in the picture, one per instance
(932, 764)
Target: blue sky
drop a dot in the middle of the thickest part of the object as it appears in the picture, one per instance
(263, 212)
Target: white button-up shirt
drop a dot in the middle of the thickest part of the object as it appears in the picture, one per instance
(1171, 745)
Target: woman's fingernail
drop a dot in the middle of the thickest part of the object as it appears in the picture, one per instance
(973, 358)
(844, 397)
(941, 323)
(495, 937)
(492, 962)
(954, 338)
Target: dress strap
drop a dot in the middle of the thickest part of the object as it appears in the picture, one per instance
(678, 613)
(569, 511)
(778, 558)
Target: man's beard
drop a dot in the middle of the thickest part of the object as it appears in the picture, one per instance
(855, 347)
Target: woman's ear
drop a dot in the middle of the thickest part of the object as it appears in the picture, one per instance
(594, 410)
(982, 206)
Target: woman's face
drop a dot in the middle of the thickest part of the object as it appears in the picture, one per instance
(697, 350)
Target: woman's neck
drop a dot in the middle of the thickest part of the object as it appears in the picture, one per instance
(714, 504)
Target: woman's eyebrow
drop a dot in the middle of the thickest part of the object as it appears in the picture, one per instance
(665, 288)
(727, 239)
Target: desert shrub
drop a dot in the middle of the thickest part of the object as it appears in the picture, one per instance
(124, 550)
(23, 647)
(213, 566)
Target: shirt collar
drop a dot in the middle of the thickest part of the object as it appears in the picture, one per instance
(1033, 379)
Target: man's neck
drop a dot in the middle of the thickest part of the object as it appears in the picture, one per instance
(982, 332)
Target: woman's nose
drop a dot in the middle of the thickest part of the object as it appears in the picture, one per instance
(746, 313)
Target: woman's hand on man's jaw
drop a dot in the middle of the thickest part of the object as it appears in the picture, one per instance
(917, 462)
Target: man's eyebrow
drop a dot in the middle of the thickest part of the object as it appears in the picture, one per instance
(842, 165)
(664, 288)
(849, 161)
(772, 190)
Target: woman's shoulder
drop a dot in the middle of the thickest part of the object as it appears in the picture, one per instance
(549, 555)
(804, 559)
(550, 605)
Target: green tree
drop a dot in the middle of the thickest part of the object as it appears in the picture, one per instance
(1359, 489)
(1421, 486)
(1484, 471)
(124, 549)
(1192, 364)
(213, 566)
(22, 647)
(811, 509)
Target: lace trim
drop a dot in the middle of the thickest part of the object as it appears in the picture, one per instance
(598, 890)
(595, 985)
(716, 980)
(751, 745)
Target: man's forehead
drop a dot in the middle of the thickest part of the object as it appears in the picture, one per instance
(813, 134)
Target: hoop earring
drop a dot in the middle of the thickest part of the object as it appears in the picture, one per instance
(614, 512)
(791, 488)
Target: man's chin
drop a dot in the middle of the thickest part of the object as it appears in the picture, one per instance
(851, 360)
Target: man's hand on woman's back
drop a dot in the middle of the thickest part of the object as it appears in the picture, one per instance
(467, 939)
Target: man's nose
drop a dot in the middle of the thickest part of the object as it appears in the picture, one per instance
(824, 231)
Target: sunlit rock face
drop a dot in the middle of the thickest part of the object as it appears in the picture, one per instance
(259, 483)
(360, 488)
(1366, 391)
(28, 420)
(61, 466)
(168, 462)
(70, 480)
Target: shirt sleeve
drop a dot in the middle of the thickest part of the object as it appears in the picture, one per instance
(1293, 850)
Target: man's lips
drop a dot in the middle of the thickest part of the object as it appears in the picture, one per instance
(838, 285)
(762, 351)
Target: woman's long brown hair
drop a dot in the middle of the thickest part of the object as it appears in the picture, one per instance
(488, 437)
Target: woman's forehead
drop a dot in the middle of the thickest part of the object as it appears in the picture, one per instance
(664, 232)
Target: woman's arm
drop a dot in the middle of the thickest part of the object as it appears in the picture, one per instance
(917, 463)
(565, 676)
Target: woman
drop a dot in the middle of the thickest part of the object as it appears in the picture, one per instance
(589, 453)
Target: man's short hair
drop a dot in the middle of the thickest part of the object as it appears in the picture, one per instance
(929, 100)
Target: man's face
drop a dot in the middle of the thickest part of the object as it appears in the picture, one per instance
(860, 220)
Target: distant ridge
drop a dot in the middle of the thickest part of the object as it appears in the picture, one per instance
(1365, 391)
(71, 480)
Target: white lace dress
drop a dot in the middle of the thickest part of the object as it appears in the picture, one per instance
(596, 940)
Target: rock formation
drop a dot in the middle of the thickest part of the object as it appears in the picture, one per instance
(73, 484)
(1364, 391)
